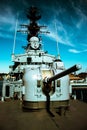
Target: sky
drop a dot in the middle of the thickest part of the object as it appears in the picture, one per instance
(66, 21)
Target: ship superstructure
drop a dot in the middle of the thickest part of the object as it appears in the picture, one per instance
(38, 78)
(34, 55)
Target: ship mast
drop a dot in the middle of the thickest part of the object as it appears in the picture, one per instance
(33, 29)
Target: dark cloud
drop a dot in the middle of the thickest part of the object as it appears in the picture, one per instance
(62, 8)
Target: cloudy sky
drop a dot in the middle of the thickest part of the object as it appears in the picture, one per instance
(66, 21)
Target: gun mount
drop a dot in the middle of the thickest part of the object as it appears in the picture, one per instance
(47, 86)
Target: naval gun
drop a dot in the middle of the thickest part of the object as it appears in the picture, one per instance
(47, 87)
(53, 90)
(48, 84)
(63, 73)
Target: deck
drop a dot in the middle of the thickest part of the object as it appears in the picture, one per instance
(13, 118)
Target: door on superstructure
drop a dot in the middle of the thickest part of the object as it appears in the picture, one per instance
(7, 91)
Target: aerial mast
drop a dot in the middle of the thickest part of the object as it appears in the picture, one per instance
(15, 35)
(57, 44)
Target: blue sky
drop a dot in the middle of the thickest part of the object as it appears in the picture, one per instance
(66, 21)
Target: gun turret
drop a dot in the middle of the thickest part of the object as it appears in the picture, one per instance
(47, 84)
(47, 81)
(66, 72)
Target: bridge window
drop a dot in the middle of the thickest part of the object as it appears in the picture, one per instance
(29, 60)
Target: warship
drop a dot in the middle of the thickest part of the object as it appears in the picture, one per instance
(37, 78)
(41, 85)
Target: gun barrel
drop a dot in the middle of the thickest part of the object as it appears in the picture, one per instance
(66, 72)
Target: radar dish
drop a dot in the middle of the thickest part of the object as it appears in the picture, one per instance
(34, 39)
